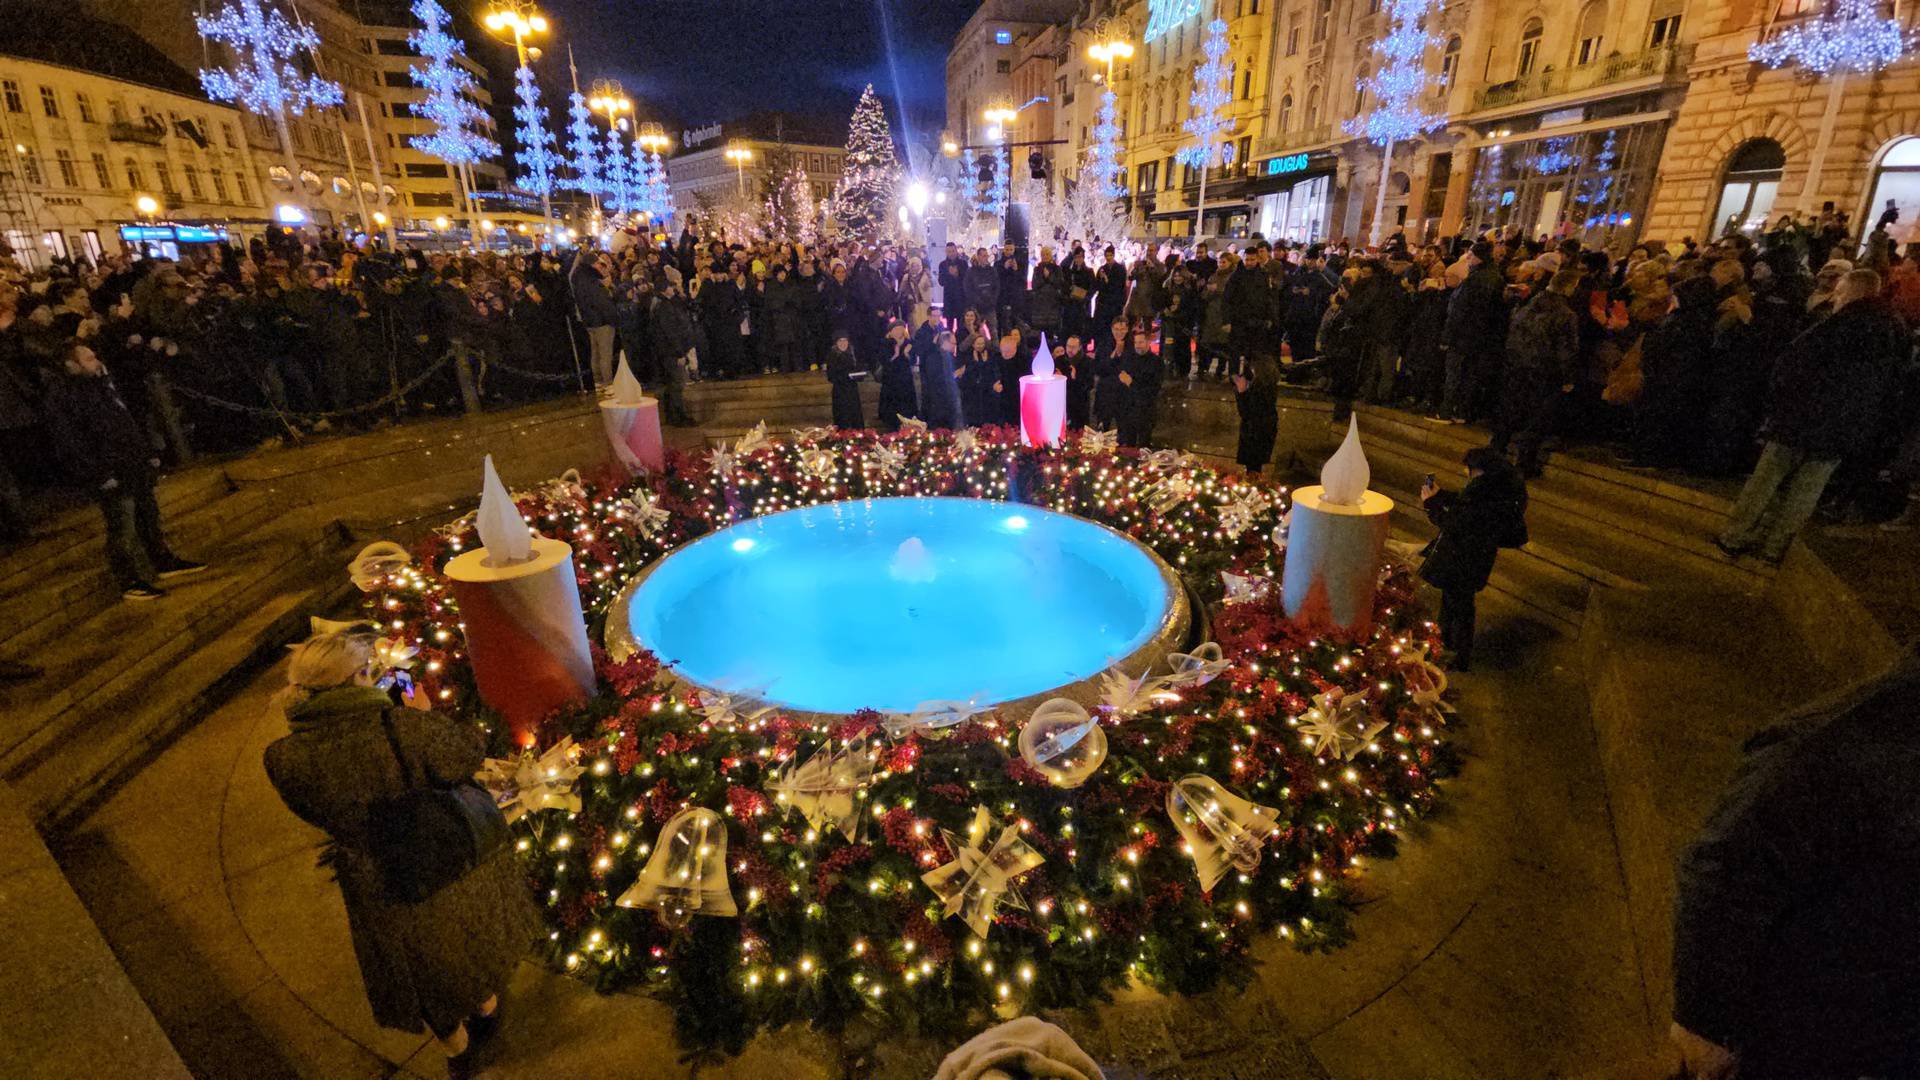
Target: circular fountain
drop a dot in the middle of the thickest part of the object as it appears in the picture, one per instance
(888, 603)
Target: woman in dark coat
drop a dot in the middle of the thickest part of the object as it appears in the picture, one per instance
(1475, 523)
(844, 374)
(439, 963)
(938, 386)
(1257, 393)
(897, 396)
(979, 374)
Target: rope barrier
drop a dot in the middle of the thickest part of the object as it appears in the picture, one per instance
(351, 410)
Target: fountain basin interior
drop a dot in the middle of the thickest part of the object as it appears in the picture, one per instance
(888, 603)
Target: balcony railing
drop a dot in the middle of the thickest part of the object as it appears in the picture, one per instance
(1288, 141)
(1670, 61)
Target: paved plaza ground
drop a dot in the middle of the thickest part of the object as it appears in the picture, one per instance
(1520, 933)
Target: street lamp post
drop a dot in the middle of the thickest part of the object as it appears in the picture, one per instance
(740, 154)
(523, 21)
(1108, 49)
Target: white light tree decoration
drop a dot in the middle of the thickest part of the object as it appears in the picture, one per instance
(643, 187)
(583, 151)
(1212, 90)
(618, 178)
(790, 210)
(459, 135)
(538, 161)
(1102, 170)
(264, 78)
(1850, 38)
(1396, 89)
(998, 193)
(863, 199)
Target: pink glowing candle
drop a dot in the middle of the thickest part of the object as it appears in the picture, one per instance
(1043, 401)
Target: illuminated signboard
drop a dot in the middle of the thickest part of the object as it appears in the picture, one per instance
(1164, 15)
(1291, 163)
(185, 234)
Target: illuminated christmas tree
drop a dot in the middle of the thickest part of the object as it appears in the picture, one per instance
(863, 200)
(264, 80)
(1208, 124)
(1397, 88)
(538, 161)
(459, 134)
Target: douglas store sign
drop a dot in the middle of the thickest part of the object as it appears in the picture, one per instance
(1290, 164)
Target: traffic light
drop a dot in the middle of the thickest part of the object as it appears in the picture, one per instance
(1036, 165)
(987, 162)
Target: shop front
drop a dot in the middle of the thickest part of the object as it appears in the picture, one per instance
(1293, 197)
(166, 239)
(1589, 180)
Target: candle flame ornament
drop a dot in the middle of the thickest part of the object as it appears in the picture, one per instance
(503, 532)
(1204, 664)
(1221, 829)
(377, 562)
(980, 878)
(687, 873)
(1340, 724)
(1043, 401)
(826, 787)
(527, 782)
(1345, 476)
(626, 389)
(632, 421)
(1063, 743)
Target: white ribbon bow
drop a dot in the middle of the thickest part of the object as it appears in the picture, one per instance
(980, 878)
(527, 783)
(825, 788)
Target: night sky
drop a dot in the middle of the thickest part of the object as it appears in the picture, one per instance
(699, 61)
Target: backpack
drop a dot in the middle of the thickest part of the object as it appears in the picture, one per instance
(426, 838)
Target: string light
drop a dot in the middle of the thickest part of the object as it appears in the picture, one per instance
(1850, 37)
(1401, 80)
(458, 136)
(264, 80)
(538, 161)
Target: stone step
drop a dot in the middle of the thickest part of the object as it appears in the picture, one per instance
(76, 585)
(100, 694)
(74, 535)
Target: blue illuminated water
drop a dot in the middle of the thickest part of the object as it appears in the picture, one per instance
(890, 602)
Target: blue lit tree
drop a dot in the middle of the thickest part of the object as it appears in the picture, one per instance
(538, 161)
(583, 148)
(1397, 88)
(264, 78)
(459, 135)
(1851, 38)
(1209, 124)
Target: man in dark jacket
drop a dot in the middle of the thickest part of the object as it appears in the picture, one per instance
(593, 300)
(1257, 391)
(1795, 909)
(982, 286)
(676, 341)
(1828, 396)
(1140, 375)
(1249, 309)
(953, 286)
(1543, 345)
(1013, 287)
(1488, 514)
(1310, 288)
(97, 439)
(1475, 336)
(1047, 298)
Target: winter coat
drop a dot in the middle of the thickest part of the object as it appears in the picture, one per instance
(1047, 299)
(1249, 303)
(941, 392)
(953, 283)
(916, 296)
(1795, 907)
(1475, 523)
(438, 960)
(982, 290)
(1213, 313)
(1831, 390)
(1109, 296)
(1149, 290)
(673, 328)
(1477, 313)
(590, 294)
(897, 395)
(980, 402)
(844, 374)
(1140, 399)
(94, 436)
(1259, 406)
(1544, 338)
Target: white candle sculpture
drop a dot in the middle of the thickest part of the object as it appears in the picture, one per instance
(1043, 401)
(633, 424)
(520, 609)
(1335, 540)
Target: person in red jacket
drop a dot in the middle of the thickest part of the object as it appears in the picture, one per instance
(99, 441)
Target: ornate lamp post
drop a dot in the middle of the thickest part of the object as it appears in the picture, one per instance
(521, 20)
(610, 98)
(1103, 158)
(740, 154)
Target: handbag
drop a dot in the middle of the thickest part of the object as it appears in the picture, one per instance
(428, 837)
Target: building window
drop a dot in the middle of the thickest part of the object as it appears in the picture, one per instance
(102, 172)
(50, 102)
(1663, 32)
(193, 181)
(1593, 25)
(69, 169)
(1245, 151)
(219, 184)
(166, 176)
(30, 166)
(1167, 174)
(1322, 20)
(11, 90)
(1003, 37)
(1450, 62)
(133, 174)
(1746, 192)
(1360, 91)
(1896, 183)
(240, 186)
(1246, 84)
(1529, 49)
(1313, 107)
(87, 115)
(397, 78)
(1286, 113)
(1253, 7)
(421, 171)
(1293, 35)
(1002, 67)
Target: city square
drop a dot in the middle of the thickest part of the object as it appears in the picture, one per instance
(1034, 538)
